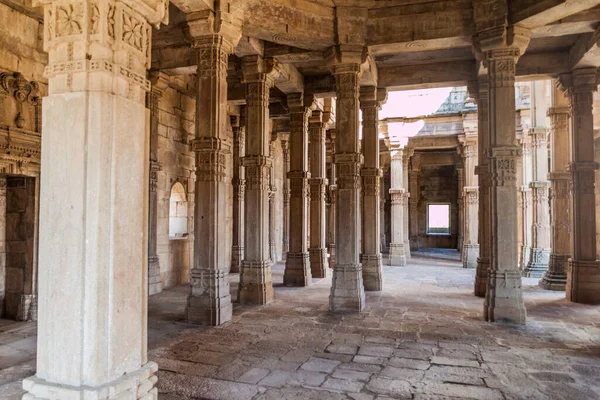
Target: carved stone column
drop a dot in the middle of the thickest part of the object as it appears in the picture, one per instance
(256, 283)
(555, 277)
(272, 191)
(397, 248)
(159, 83)
(504, 296)
(2, 245)
(540, 186)
(237, 242)
(319, 264)
(371, 100)
(93, 286)
(526, 203)
(286, 199)
(384, 161)
(470, 193)
(583, 277)
(209, 300)
(332, 196)
(483, 175)
(347, 291)
(297, 265)
(408, 152)
(414, 201)
(460, 172)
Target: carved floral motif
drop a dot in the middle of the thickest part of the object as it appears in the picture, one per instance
(69, 20)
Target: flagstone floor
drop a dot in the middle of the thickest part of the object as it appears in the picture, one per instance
(422, 337)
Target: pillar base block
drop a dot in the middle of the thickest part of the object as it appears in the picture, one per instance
(397, 254)
(481, 277)
(331, 249)
(347, 290)
(209, 300)
(525, 256)
(538, 263)
(372, 272)
(256, 285)
(555, 277)
(154, 283)
(297, 270)
(583, 282)
(237, 255)
(272, 252)
(407, 249)
(319, 265)
(504, 298)
(134, 385)
(470, 255)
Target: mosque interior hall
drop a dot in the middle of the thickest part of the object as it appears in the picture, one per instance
(299, 199)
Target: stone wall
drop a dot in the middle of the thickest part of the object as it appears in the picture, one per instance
(438, 184)
(175, 131)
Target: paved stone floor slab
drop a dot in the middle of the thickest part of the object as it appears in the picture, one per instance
(422, 337)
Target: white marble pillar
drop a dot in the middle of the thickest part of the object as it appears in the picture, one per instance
(526, 197)
(460, 172)
(583, 277)
(504, 296)
(540, 186)
(415, 194)
(347, 291)
(397, 246)
(209, 298)
(238, 181)
(384, 163)
(484, 179)
(319, 265)
(470, 193)
(297, 265)
(555, 277)
(408, 152)
(93, 216)
(371, 100)
(256, 283)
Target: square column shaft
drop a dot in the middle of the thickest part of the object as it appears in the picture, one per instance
(370, 102)
(319, 264)
(408, 152)
(347, 291)
(483, 176)
(297, 265)
(93, 218)
(239, 188)
(256, 283)
(398, 197)
(209, 300)
(583, 278)
(555, 277)
(504, 296)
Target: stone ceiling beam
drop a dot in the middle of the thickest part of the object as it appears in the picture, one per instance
(443, 74)
(249, 46)
(289, 79)
(535, 13)
(586, 51)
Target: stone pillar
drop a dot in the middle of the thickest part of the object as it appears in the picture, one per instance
(526, 210)
(332, 193)
(555, 277)
(470, 194)
(347, 291)
(504, 296)
(408, 152)
(2, 243)
(483, 175)
(384, 162)
(540, 186)
(93, 286)
(237, 241)
(272, 191)
(286, 199)
(319, 265)
(159, 83)
(209, 300)
(397, 248)
(297, 265)
(460, 172)
(256, 284)
(583, 277)
(371, 100)
(414, 201)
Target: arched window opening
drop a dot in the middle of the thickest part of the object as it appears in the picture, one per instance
(178, 212)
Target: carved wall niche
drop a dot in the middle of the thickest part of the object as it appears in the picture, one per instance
(19, 102)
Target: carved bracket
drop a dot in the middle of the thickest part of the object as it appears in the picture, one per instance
(14, 84)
